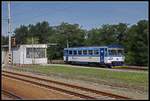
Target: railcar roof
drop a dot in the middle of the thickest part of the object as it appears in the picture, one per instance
(115, 46)
(90, 47)
(94, 47)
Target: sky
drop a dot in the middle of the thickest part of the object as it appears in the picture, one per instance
(87, 14)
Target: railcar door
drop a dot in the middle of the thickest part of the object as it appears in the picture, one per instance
(66, 55)
(101, 55)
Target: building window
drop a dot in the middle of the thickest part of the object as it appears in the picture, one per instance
(29, 52)
(35, 53)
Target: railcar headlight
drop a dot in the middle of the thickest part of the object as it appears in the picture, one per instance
(110, 58)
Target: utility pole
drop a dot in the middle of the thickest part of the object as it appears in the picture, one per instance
(67, 44)
(32, 52)
(9, 33)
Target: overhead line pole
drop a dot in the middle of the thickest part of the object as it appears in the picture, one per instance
(9, 33)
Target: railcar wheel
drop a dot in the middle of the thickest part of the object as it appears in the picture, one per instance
(109, 66)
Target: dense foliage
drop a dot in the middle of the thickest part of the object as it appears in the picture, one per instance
(133, 38)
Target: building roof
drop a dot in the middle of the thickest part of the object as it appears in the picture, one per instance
(26, 45)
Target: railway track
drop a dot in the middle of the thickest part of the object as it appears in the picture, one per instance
(136, 68)
(82, 92)
(11, 95)
(104, 66)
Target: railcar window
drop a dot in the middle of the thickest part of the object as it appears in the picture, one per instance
(75, 52)
(105, 51)
(112, 52)
(70, 52)
(85, 52)
(96, 52)
(120, 52)
(80, 52)
(90, 52)
(66, 52)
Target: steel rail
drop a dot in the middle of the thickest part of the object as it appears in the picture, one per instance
(10, 94)
(52, 87)
(74, 86)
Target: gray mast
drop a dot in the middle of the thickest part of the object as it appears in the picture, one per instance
(9, 33)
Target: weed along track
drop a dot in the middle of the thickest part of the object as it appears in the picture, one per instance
(131, 68)
(79, 92)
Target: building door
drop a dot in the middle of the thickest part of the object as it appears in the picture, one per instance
(101, 55)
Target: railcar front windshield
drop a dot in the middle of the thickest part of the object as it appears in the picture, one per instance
(120, 52)
(115, 52)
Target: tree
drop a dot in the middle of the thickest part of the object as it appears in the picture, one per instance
(43, 30)
(63, 32)
(108, 34)
(21, 34)
(30, 40)
(133, 38)
(137, 44)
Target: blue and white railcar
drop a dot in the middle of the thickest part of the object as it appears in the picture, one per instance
(106, 55)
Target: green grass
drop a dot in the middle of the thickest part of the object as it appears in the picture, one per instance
(130, 79)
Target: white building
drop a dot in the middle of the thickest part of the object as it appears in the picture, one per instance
(27, 54)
